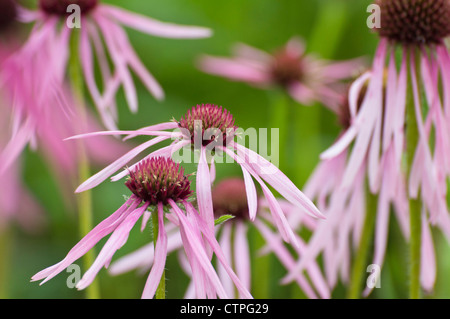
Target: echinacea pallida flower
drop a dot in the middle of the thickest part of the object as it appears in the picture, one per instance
(418, 28)
(406, 90)
(336, 239)
(229, 199)
(191, 132)
(306, 78)
(157, 184)
(45, 55)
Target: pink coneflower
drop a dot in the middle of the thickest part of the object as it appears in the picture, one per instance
(418, 28)
(46, 131)
(229, 198)
(156, 183)
(17, 204)
(208, 129)
(306, 78)
(100, 23)
(417, 94)
(339, 188)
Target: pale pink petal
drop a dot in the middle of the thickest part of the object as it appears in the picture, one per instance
(233, 70)
(242, 255)
(203, 189)
(119, 163)
(428, 259)
(197, 249)
(115, 242)
(160, 258)
(93, 237)
(225, 244)
(152, 26)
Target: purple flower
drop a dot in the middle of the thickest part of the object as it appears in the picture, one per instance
(371, 147)
(207, 129)
(158, 184)
(306, 78)
(102, 33)
(229, 198)
(378, 126)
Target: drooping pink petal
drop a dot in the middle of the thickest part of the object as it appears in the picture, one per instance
(233, 70)
(242, 255)
(93, 237)
(152, 26)
(116, 165)
(280, 182)
(192, 240)
(114, 243)
(203, 189)
(428, 259)
(210, 238)
(160, 258)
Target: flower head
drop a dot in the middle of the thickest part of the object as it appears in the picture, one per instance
(156, 185)
(156, 180)
(414, 22)
(59, 7)
(253, 165)
(101, 35)
(306, 78)
(229, 198)
(208, 116)
(8, 14)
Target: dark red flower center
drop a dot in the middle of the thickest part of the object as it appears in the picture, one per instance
(286, 68)
(415, 21)
(59, 7)
(208, 122)
(229, 198)
(8, 13)
(159, 179)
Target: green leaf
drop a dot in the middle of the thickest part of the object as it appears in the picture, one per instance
(222, 219)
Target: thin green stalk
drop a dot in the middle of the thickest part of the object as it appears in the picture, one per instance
(5, 253)
(360, 263)
(161, 290)
(84, 199)
(415, 220)
(278, 112)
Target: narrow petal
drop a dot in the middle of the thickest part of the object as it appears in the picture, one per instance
(90, 240)
(115, 242)
(160, 258)
(121, 162)
(154, 27)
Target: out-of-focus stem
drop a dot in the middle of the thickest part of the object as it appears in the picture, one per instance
(360, 262)
(84, 199)
(5, 253)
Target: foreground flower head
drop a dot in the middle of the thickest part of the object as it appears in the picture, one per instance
(306, 78)
(253, 165)
(157, 184)
(229, 198)
(101, 32)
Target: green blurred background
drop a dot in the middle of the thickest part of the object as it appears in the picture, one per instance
(332, 29)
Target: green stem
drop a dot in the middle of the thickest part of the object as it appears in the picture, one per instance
(161, 290)
(84, 199)
(5, 253)
(412, 138)
(279, 109)
(360, 262)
